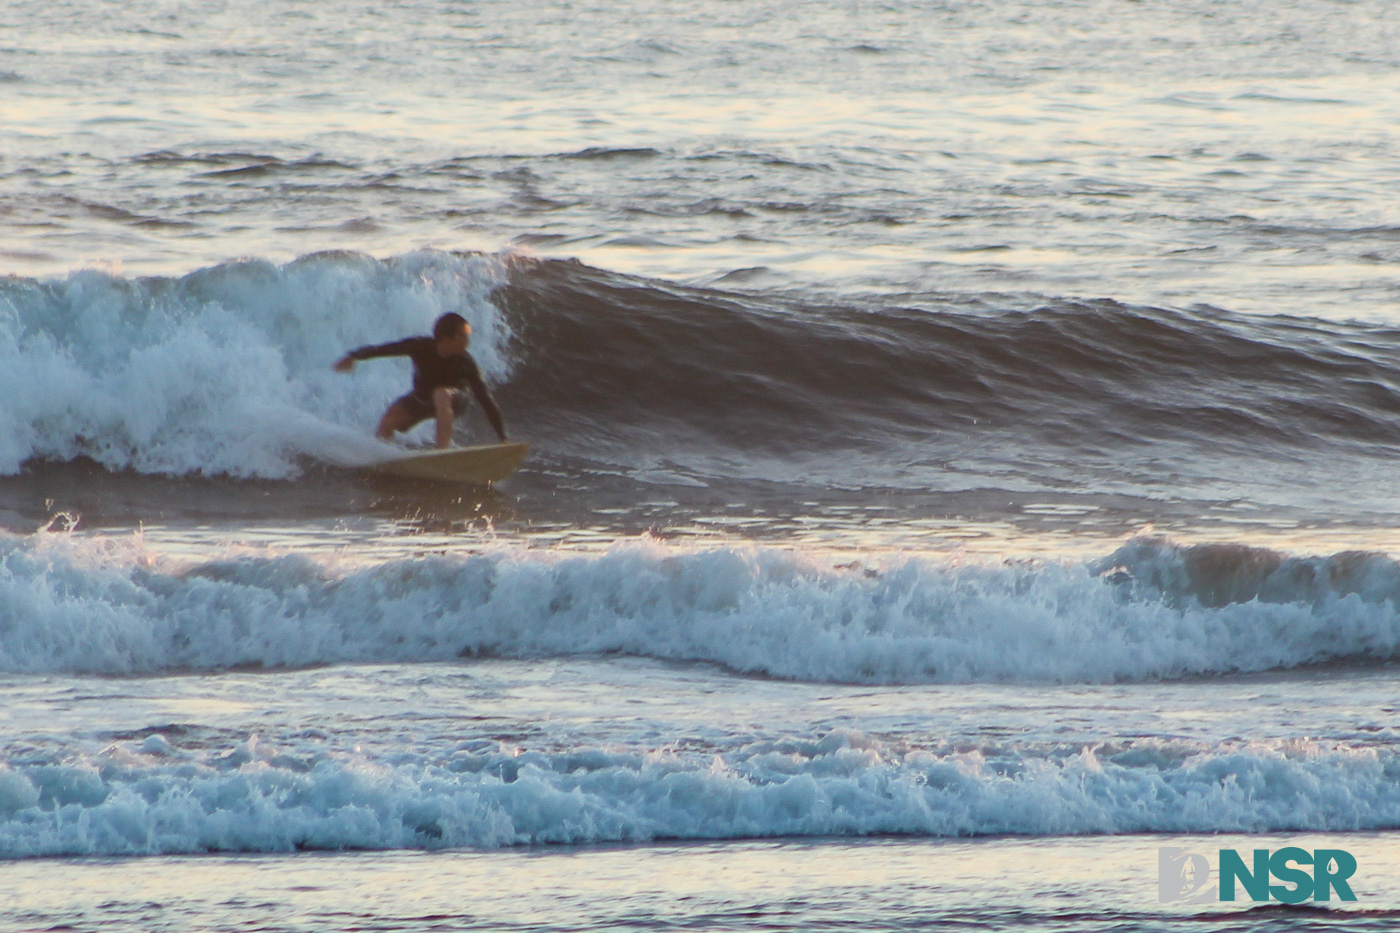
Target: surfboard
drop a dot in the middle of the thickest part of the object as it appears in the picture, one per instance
(484, 464)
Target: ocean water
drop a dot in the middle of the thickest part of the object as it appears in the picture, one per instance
(963, 462)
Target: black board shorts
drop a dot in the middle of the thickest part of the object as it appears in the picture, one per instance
(421, 409)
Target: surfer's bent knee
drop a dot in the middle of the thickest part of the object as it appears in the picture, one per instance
(395, 419)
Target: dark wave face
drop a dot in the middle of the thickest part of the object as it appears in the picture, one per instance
(942, 391)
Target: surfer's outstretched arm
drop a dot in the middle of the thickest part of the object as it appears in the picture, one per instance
(488, 404)
(397, 348)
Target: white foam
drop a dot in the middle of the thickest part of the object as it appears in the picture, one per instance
(97, 605)
(152, 796)
(225, 370)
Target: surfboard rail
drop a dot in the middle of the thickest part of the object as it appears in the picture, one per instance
(485, 463)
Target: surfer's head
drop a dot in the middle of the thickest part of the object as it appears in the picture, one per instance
(452, 334)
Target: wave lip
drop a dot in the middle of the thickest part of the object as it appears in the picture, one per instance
(158, 798)
(95, 606)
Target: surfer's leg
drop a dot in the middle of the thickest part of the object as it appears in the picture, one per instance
(444, 409)
(401, 415)
(395, 419)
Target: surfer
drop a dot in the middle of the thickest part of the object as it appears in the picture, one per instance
(441, 368)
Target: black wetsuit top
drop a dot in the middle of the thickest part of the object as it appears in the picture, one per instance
(432, 370)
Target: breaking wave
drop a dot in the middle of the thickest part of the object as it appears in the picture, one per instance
(1152, 610)
(155, 796)
(226, 371)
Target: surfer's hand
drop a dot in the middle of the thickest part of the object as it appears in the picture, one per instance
(344, 364)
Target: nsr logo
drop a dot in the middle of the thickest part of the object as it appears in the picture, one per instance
(1184, 876)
